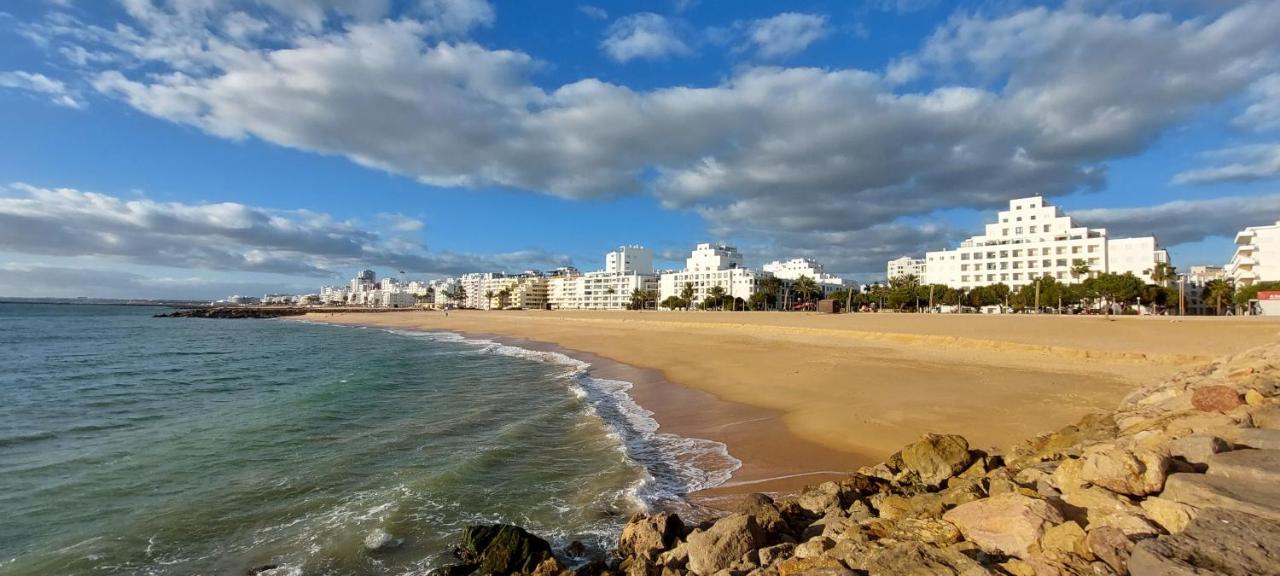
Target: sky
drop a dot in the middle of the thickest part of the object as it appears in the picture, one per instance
(203, 148)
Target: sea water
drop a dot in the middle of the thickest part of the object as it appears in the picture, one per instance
(136, 445)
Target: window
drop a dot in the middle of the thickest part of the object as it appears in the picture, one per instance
(1046, 227)
(1017, 230)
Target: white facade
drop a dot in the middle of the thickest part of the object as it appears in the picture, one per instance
(709, 266)
(1033, 239)
(392, 299)
(905, 266)
(626, 269)
(794, 268)
(629, 260)
(1257, 256)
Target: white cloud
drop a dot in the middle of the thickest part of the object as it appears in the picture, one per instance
(1185, 221)
(402, 223)
(593, 12)
(645, 35)
(1035, 101)
(1263, 114)
(40, 84)
(786, 34)
(64, 222)
(1244, 164)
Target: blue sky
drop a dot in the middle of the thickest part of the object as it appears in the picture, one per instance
(197, 148)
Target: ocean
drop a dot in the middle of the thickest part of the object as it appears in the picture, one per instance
(136, 445)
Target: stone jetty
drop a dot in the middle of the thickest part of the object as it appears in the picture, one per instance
(1182, 479)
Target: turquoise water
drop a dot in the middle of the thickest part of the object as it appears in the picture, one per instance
(134, 445)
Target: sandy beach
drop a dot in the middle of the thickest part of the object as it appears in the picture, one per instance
(796, 396)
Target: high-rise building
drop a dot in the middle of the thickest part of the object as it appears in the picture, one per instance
(709, 266)
(1257, 256)
(1033, 239)
(627, 269)
(905, 266)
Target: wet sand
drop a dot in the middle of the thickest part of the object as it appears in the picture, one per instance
(797, 397)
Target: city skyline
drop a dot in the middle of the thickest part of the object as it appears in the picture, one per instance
(172, 148)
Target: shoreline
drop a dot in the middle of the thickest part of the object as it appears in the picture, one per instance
(796, 397)
(694, 414)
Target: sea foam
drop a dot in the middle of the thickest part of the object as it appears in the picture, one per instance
(675, 466)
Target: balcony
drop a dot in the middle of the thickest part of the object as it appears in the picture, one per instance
(1244, 237)
(1244, 261)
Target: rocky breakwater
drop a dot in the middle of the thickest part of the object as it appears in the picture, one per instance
(1183, 478)
(236, 312)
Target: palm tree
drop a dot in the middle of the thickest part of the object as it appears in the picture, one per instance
(488, 296)
(503, 295)
(686, 294)
(805, 287)
(638, 299)
(1162, 273)
(716, 294)
(1216, 291)
(1079, 268)
(771, 287)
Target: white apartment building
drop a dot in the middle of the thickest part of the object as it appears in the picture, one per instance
(1193, 288)
(791, 270)
(709, 266)
(1257, 256)
(392, 299)
(1033, 239)
(905, 266)
(626, 269)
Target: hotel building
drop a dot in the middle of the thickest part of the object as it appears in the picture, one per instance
(709, 266)
(1257, 256)
(905, 266)
(1033, 239)
(791, 270)
(627, 269)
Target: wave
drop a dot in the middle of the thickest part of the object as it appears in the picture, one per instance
(674, 465)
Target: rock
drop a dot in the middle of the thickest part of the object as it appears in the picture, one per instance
(1254, 398)
(818, 499)
(1216, 542)
(1110, 546)
(1197, 448)
(378, 540)
(1065, 538)
(1136, 473)
(859, 511)
(1216, 398)
(1247, 465)
(1209, 491)
(1170, 515)
(453, 570)
(263, 569)
(1065, 442)
(772, 554)
(638, 565)
(1267, 417)
(723, 543)
(1257, 438)
(916, 559)
(676, 557)
(767, 515)
(649, 535)
(927, 530)
(937, 457)
(820, 566)
(1009, 523)
(814, 547)
(502, 549)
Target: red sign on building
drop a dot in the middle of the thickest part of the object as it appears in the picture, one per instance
(1269, 295)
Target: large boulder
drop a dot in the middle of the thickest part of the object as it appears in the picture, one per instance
(1210, 491)
(915, 559)
(937, 457)
(1216, 542)
(724, 543)
(1197, 448)
(767, 515)
(1009, 523)
(1216, 398)
(818, 566)
(1136, 473)
(1247, 465)
(649, 535)
(1111, 546)
(503, 549)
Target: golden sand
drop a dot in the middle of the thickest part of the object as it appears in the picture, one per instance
(796, 394)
